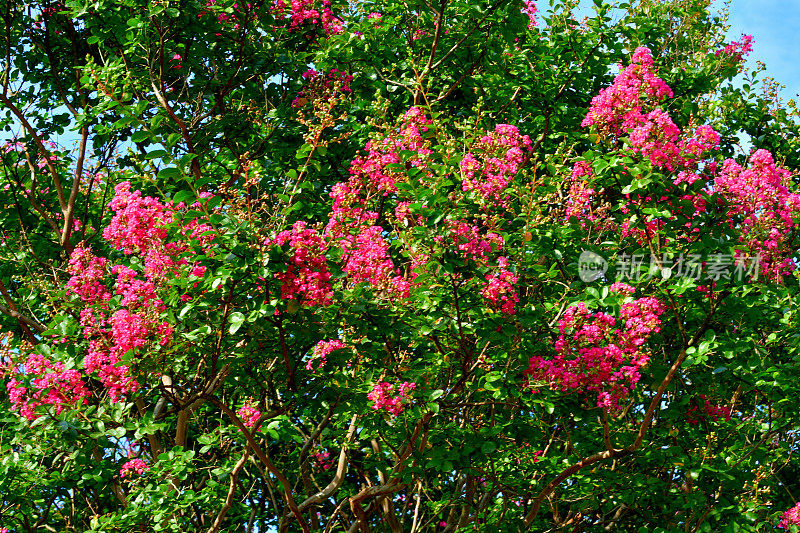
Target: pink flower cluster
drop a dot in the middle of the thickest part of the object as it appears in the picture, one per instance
(403, 156)
(324, 460)
(88, 273)
(321, 351)
(365, 251)
(738, 49)
(381, 396)
(249, 414)
(306, 277)
(527, 453)
(759, 195)
(375, 173)
(473, 245)
(593, 354)
(530, 9)
(50, 384)
(225, 18)
(137, 227)
(134, 467)
(618, 108)
(715, 412)
(41, 161)
(319, 85)
(656, 137)
(579, 198)
(499, 288)
(111, 337)
(138, 223)
(366, 259)
(790, 517)
(304, 12)
(500, 155)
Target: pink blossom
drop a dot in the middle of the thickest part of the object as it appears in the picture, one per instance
(324, 460)
(472, 244)
(530, 9)
(596, 353)
(88, 272)
(622, 288)
(138, 223)
(618, 108)
(760, 197)
(499, 290)
(580, 196)
(656, 137)
(321, 351)
(714, 412)
(249, 414)
(319, 86)
(493, 162)
(382, 399)
(134, 467)
(50, 384)
(306, 277)
(791, 517)
(738, 49)
(305, 12)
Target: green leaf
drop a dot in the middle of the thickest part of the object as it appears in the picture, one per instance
(236, 319)
(169, 173)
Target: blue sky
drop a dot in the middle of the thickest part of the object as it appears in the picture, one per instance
(775, 27)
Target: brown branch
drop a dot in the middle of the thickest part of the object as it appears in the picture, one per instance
(39, 144)
(436, 37)
(23, 320)
(309, 443)
(115, 486)
(187, 138)
(287, 361)
(467, 72)
(191, 404)
(466, 36)
(386, 503)
(152, 439)
(393, 485)
(333, 486)
(30, 194)
(374, 491)
(231, 492)
(73, 194)
(286, 487)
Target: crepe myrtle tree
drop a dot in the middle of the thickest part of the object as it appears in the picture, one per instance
(396, 266)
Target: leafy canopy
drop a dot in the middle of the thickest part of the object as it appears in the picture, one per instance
(406, 266)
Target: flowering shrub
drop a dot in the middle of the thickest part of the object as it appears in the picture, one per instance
(443, 267)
